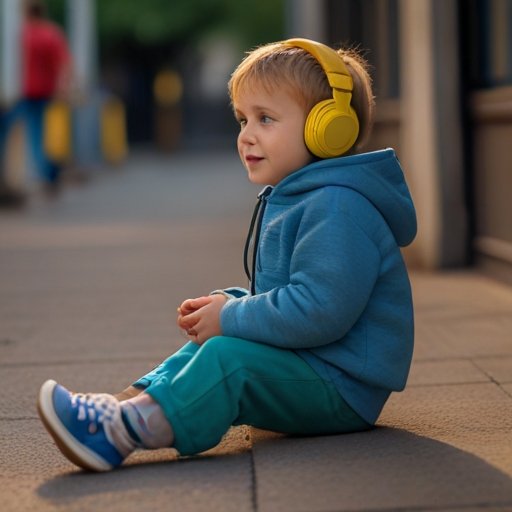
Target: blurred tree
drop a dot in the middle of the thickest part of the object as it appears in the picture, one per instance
(158, 22)
(56, 10)
(139, 38)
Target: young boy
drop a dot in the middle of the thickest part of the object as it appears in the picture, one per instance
(325, 333)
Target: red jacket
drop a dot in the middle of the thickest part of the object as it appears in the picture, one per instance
(45, 53)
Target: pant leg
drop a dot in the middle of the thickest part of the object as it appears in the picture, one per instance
(35, 109)
(7, 120)
(170, 366)
(230, 381)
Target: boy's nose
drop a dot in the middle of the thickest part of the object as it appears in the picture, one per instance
(247, 135)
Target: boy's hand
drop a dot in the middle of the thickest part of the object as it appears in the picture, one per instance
(191, 305)
(187, 308)
(201, 317)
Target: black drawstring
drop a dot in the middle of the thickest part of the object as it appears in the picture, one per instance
(257, 209)
(249, 236)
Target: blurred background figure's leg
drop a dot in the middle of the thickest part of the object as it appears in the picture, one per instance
(11, 133)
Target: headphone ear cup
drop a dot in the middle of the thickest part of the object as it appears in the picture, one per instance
(328, 131)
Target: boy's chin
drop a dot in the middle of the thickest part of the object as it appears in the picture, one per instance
(260, 180)
(255, 179)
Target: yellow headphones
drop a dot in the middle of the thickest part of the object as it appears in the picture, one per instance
(332, 126)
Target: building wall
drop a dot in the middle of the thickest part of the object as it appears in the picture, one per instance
(492, 159)
(412, 46)
(486, 54)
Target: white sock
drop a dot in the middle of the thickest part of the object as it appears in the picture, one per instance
(145, 418)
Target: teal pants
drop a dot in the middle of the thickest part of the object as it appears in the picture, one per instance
(203, 390)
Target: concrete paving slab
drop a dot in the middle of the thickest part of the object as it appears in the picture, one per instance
(77, 302)
(142, 264)
(475, 418)
(152, 187)
(458, 294)
(27, 451)
(384, 469)
(83, 337)
(91, 345)
(106, 265)
(498, 368)
(35, 476)
(460, 315)
(21, 383)
(507, 388)
(451, 371)
(504, 508)
(464, 337)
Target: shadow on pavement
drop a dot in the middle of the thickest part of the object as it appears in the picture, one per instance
(202, 483)
(381, 469)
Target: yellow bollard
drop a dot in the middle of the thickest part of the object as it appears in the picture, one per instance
(167, 92)
(57, 131)
(114, 145)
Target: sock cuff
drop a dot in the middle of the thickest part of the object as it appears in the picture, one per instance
(128, 425)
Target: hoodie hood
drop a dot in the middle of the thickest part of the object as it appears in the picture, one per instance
(377, 176)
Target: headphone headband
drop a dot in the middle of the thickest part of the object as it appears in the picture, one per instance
(337, 73)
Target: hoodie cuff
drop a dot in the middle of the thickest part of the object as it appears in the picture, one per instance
(222, 292)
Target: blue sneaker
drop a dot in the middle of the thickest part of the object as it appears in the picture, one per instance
(88, 429)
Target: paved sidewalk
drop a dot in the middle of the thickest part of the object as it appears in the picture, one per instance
(89, 284)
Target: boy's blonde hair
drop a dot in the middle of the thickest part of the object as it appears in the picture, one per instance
(278, 66)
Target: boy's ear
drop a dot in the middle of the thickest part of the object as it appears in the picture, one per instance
(332, 126)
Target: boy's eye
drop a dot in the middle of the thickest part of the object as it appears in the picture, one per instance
(265, 119)
(242, 122)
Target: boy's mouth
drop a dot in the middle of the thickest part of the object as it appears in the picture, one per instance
(252, 159)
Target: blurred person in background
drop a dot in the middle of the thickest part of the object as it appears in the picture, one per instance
(46, 74)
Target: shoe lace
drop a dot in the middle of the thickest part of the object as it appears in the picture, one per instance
(101, 409)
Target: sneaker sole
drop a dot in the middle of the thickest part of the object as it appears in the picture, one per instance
(75, 451)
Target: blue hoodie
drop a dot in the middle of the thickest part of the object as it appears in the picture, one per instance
(330, 281)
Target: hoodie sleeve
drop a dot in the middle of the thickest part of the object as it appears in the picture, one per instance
(332, 272)
(234, 292)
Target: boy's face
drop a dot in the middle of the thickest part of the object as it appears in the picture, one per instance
(271, 140)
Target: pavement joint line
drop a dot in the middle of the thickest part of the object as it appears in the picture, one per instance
(451, 317)
(21, 418)
(254, 488)
(151, 360)
(489, 376)
(420, 508)
(79, 362)
(458, 358)
(491, 356)
(505, 391)
(492, 379)
(441, 359)
(439, 384)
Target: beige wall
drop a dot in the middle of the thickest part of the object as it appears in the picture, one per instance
(386, 126)
(492, 153)
(424, 128)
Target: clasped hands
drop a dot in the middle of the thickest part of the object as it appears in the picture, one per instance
(200, 317)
